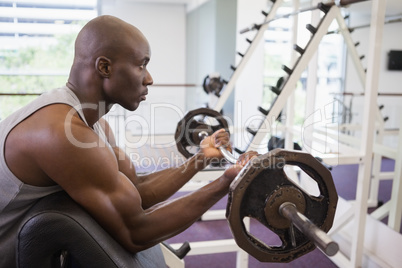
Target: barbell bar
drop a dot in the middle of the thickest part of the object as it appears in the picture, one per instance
(315, 234)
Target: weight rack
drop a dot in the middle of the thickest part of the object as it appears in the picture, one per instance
(367, 146)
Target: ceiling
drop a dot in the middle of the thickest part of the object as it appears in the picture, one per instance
(394, 7)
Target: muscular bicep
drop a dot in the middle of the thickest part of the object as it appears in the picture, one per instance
(117, 209)
(88, 171)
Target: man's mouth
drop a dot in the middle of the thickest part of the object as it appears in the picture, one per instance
(144, 96)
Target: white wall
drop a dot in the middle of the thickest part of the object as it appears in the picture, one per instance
(249, 86)
(389, 81)
(200, 52)
(164, 25)
(211, 47)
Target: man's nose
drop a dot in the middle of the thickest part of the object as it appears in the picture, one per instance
(148, 79)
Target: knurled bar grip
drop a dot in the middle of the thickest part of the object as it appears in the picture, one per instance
(309, 229)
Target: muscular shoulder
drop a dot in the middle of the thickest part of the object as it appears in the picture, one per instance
(62, 131)
(39, 139)
(54, 123)
(52, 144)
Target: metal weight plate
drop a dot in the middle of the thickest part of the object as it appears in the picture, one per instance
(213, 83)
(202, 120)
(262, 186)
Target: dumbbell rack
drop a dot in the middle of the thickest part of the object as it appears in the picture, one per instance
(370, 82)
(358, 211)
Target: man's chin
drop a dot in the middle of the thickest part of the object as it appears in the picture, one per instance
(132, 107)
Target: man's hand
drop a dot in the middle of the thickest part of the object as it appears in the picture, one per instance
(244, 158)
(230, 173)
(209, 146)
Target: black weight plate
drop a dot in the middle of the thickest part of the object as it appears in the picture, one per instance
(195, 121)
(258, 181)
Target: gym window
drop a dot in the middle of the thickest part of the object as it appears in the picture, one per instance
(37, 46)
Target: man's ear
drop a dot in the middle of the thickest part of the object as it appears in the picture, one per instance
(104, 66)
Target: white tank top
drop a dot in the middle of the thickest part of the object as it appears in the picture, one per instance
(16, 197)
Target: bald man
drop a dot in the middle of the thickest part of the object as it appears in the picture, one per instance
(60, 142)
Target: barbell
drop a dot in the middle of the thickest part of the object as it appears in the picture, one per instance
(264, 192)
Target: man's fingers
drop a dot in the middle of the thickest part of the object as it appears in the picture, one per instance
(222, 139)
(246, 157)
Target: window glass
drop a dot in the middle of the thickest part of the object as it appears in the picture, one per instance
(37, 46)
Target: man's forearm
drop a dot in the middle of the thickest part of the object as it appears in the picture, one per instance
(158, 186)
(178, 214)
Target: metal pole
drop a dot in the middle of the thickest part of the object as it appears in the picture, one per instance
(309, 229)
(366, 149)
(395, 213)
(290, 110)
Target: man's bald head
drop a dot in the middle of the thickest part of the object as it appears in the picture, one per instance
(105, 36)
(110, 63)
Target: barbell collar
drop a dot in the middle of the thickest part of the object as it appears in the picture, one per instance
(309, 229)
